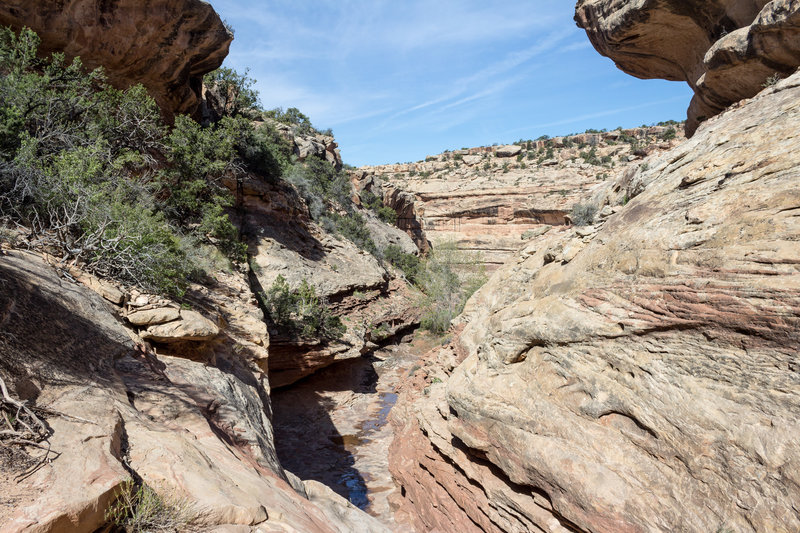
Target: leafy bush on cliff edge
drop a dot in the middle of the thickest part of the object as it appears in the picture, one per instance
(300, 311)
(97, 177)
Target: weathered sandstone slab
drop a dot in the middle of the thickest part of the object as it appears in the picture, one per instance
(194, 432)
(149, 317)
(191, 326)
(647, 382)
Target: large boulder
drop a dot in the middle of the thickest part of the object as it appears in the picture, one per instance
(166, 45)
(726, 50)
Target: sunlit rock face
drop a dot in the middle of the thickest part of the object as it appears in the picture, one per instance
(726, 49)
(636, 375)
(193, 425)
(166, 45)
(490, 200)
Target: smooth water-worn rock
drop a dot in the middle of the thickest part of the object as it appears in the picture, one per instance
(639, 375)
(166, 45)
(725, 50)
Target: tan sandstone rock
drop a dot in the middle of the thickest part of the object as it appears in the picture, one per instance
(166, 45)
(650, 383)
(149, 317)
(511, 150)
(192, 326)
(194, 432)
(488, 202)
(724, 50)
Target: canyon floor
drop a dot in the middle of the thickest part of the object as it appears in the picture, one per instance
(333, 427)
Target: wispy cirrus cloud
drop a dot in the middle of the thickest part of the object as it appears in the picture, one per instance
(395, 78)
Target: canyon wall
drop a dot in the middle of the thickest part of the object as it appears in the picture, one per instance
(187, 411)
(726, 50)
(356, 286)
(166, 45)
(490, 200)
(640, 374)
(137, 390)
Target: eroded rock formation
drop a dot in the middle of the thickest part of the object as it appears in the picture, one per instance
(492, 199)
(356, 286)
(638, 375)
(197, 432)
(166, 45)
(726, 50)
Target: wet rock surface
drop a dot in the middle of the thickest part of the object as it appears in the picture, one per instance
(333, 427)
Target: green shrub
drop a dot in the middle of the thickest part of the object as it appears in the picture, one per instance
(387, 214)
(97, 177)
(375, 204)
(409, 264)
(321, 185)
(583, 214)
(292, 117)
(590, 157)
(142, 510)
(448, 278)
(370, 200)
(235, 90)
(353, 227)
(264, 151)
(772, 81)
(300, 311)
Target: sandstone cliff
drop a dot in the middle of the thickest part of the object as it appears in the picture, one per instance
(492, 199)
(355, 284)
(136, 390)
(166, 45)
(637, 375)
(725, 50)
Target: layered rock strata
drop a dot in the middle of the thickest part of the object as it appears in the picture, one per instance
(352, 282)
(637, 375)
(166, 45)
(490, 200)
(726, 50)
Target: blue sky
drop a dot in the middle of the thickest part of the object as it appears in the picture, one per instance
(397, 81)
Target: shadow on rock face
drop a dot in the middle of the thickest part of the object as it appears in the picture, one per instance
(308, 443)
(50, 330)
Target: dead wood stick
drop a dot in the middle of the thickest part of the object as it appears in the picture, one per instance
(52, 412)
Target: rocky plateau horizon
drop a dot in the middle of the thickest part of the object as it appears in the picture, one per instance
(630, 365)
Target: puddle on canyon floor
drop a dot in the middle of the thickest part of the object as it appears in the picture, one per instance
(333, 427)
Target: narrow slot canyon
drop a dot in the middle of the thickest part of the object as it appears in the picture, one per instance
(332, 426)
